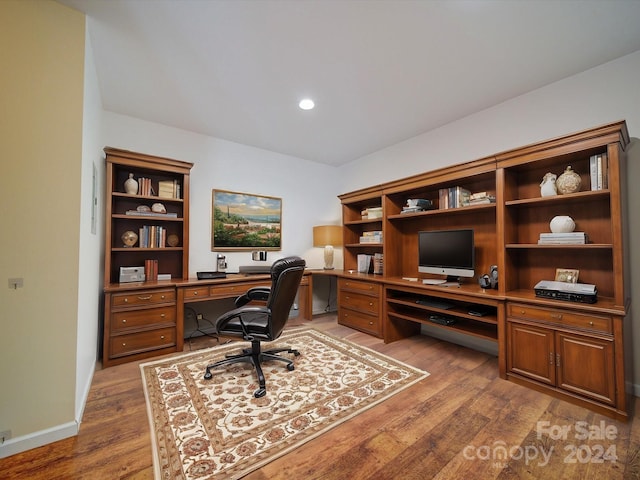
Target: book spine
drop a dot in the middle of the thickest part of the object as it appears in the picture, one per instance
(593, 171)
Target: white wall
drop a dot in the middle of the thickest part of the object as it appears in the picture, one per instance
(91, 243)
(598, 96)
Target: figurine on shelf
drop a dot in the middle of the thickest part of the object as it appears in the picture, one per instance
(548, 185)
(129, 238)
(568, 182)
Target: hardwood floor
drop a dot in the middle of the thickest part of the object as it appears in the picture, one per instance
(457, 423)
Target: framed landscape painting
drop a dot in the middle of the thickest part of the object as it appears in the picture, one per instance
(241, 221)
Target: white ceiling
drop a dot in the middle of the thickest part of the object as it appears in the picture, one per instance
(379, 71)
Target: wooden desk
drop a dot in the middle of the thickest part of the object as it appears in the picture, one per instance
(146, 319)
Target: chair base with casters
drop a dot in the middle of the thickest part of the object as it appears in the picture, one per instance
(256, 357)
(262, 323)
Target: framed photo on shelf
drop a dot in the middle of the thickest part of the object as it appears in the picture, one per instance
(242, 221)
(567, 275)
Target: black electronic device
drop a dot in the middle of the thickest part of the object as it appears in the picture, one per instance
(441, 319)
(210, 275)
(570, 292)
(429, 302)
(446, 252)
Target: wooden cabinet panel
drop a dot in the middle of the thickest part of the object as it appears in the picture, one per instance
(363, 303)
(561, 317)
(360, 321)
(530, 352)
(585, 366)
(359, 305)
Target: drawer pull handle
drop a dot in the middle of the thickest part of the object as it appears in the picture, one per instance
(195, 293)
(161, 337)
(371, 304)
(370, 323)
(557, 360)
(162, 315)
(126, 299)
(522, 312)
(162, 297)
(148, 297)
(591, 323)
(124, 344)
(550, 358)
(124, 320)
(556, 316)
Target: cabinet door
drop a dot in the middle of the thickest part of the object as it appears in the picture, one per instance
(585, 366)
(530, 352)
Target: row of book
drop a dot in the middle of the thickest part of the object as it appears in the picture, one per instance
(370, 263)
(152, 236)
(374, 236)
(151, 270)
(599, 171)
(166, 188)
(570, 238)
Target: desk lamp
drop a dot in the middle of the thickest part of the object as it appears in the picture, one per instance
(327, 236)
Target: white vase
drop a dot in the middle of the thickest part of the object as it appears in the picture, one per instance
(548, 185)
(562, 224)
(130, 185)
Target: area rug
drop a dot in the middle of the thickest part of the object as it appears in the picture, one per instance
(214, 429)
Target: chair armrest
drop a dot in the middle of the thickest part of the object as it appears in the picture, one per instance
(255, 293)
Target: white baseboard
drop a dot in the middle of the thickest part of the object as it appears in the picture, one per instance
(38, 439)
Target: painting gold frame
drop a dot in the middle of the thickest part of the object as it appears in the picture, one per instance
(243, 221)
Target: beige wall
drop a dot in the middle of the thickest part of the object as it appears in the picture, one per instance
(41, 91)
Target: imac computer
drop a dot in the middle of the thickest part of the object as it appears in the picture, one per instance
(446, 252)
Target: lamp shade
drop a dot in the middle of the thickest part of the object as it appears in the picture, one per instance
(324, 235)
(327, 236)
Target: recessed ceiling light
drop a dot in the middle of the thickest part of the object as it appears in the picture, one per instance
(306, 104)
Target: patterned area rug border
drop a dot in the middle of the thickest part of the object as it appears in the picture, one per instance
(199, 427)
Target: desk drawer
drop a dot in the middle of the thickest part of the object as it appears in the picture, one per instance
(143, 341)
(196, 292)
(561, 317)
(232, 291)
(143, 297)
(357, 301)
(142, 318)
(358, 286)
(360, 321)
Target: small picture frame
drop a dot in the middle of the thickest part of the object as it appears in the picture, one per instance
(567, 275)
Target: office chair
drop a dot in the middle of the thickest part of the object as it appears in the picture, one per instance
(256, 323)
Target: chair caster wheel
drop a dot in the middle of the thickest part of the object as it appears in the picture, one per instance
(296, 354)
(261, 392)
(291, 368)
(207, 376)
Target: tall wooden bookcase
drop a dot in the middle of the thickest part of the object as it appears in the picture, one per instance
(577, 351)
(140, 317)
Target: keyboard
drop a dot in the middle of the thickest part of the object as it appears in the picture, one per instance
(435, 303)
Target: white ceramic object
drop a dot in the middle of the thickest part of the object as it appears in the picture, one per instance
(562, 224)
(548, 185)
(158, 208)
(130, 185)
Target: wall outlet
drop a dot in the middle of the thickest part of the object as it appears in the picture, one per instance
(4, 436)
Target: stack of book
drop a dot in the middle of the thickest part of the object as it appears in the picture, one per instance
(417, 205)
(480, 198)
(579, 238)
(168, 189)
(371, 213)
(453, 197)
(599, 171)
(374, 236)
(150, 214)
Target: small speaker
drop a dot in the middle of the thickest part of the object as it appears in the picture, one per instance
(489, 280)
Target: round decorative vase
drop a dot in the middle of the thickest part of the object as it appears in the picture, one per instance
(130, 185)
(562, 224)
(173, 240)
(129, 238)
(568, 182)
(548, 186)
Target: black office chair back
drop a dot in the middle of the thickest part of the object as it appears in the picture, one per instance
(286, 275)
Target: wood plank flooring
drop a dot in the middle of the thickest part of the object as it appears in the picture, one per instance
(463, 421)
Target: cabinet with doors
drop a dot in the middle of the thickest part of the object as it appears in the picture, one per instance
(147, 224)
